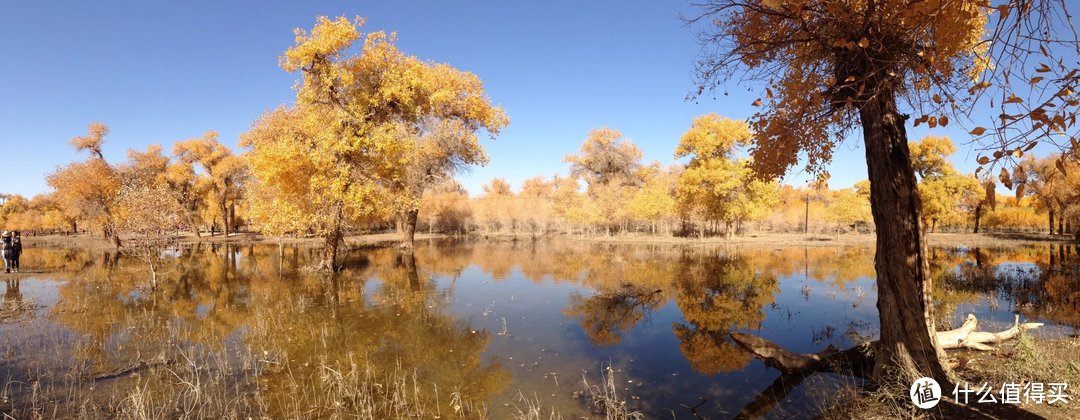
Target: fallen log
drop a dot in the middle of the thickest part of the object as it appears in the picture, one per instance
(855, 360)
(967, 337)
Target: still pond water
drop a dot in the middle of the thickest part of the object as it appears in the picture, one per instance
(464, 328)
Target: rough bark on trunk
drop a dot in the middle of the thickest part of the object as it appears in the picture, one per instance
(407, 224)
(1051, 210)
(978, 216)
(332, 241)
(225, 218)
(907, 346)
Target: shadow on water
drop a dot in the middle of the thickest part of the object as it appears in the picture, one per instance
(470, 329)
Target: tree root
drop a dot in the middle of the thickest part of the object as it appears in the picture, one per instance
(856, 361)
(829, 359)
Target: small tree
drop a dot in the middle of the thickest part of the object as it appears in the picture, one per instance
(150, 216)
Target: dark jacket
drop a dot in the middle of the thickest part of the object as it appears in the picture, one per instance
(16, 245)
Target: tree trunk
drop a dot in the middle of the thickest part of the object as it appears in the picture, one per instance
(332, 241)
(232, 216)
(225, 218)
(806, 216)
(933, 226)
(978, 217)
(1061, 223)
(1051, 211)
(407, 224)
(907, 346)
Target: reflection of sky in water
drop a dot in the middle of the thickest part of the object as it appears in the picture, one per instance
(818, 300)
(809, 313)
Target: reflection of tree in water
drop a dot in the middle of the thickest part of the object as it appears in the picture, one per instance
(718, 294)
(404, 336)
(1055, 294)
(311, 327)
(1038, 281)
(608, 314)
(201, 301)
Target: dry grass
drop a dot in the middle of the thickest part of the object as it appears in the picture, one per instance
(1020, 361)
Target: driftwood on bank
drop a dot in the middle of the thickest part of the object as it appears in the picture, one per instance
(967, 337)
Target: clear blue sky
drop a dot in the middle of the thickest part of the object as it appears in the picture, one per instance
(160, 71)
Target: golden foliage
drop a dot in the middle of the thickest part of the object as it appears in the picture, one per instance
(713, 187)
(823, 59)
(362, 124)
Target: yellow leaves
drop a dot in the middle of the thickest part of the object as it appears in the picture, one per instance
(757, 102)
(1036, 79)
(1013, 99)
(325, 41)
(979, 86)
(863, 43)
(977, 131)
(1005, 179)
(929, 156)
(936, 98)
(983, 160)
(93, 141)
(712, 135)
(1043, 68)
(363, 125)
(943, 120)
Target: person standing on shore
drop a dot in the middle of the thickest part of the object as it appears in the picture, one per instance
(6, 250)
(16, 250)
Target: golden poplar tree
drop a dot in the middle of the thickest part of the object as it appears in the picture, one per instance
(223, 174)
(942, 188)
(715, 186)
(830, 67)
(88, 190)
(363, 138)
(612, 167)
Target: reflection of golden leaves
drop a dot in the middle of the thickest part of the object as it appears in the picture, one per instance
(710, 353)
(607, 315)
